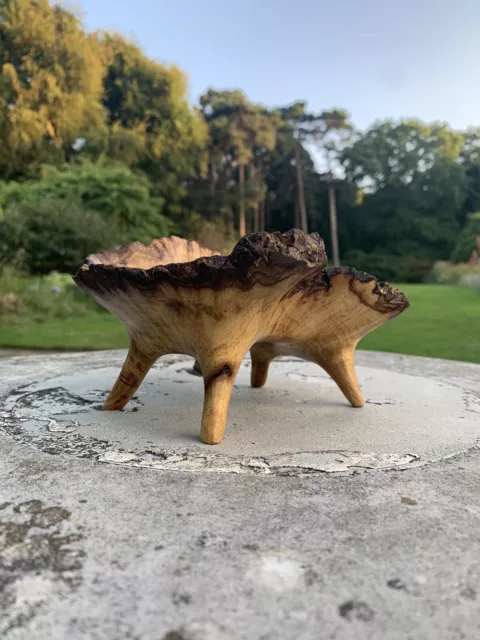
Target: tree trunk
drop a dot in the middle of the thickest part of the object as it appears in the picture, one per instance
(333, 225)
(211, 178)
(211, 188)
(261, 206)
(256, 217)
(228, 223)
(267, 206)
(249, 207)
(297, 213)
(261, 201)
(300, 190)
(241, 205)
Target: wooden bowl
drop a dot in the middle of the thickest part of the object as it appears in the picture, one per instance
(272, 295)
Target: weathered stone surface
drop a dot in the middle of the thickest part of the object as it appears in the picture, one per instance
(299, 423)
(97, 550)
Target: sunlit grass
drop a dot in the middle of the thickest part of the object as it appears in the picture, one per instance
(442, 322)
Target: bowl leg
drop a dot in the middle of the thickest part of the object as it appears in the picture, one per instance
(339, 364)
(134, 370)
(218, 391)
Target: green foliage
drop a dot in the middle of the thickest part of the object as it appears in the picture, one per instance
(397, 153)
(390, 268)
(380, 265)
(143, 95)
(240, 136)
(413, 269)
(65, 92)
(467, 239)
(100, 146)
(150, 125)
(309, 127)
(470, 160)
(120, 195)
(237, 127)
(413, 187)
(51, 234)
(51, 84)
(54, 223)
(43, 297)
(281, 181)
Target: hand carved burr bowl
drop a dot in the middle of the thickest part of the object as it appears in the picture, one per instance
(273, 295)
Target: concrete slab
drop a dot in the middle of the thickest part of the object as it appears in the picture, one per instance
(107, 551)
(299, 423)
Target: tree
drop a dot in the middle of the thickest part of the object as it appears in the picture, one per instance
(396, 153)
(326, 130)
(281, 201)
(413, 187)
(50, 87)
(151, 125)
(221, 194)
(468, 240)
(333, 136)
(240, 134)
(303, 127)
(266, 126)
(470, 160)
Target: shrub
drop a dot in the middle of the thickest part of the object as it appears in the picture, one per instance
(388, 267)
(52, 235)
(121, 196)
(461, 274)
(413, 269)
(54, 223)
(444, 272)
(467, 238)
(382, 266)
(42, 297)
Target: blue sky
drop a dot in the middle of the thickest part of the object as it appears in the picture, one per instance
(376, 58)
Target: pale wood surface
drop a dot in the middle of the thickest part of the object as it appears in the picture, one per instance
(272, 296)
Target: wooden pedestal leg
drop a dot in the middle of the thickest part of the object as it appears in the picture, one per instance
(259, 373)
(134, 370)
(262, 354)
(218, 391)
(340, 366)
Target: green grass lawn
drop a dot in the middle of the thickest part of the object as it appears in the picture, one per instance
(82, 333)
(443, 322)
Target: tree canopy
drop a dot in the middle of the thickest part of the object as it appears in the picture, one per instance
(92, 127)
(51, 85)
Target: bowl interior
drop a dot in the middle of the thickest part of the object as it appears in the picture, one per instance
(160, 252)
